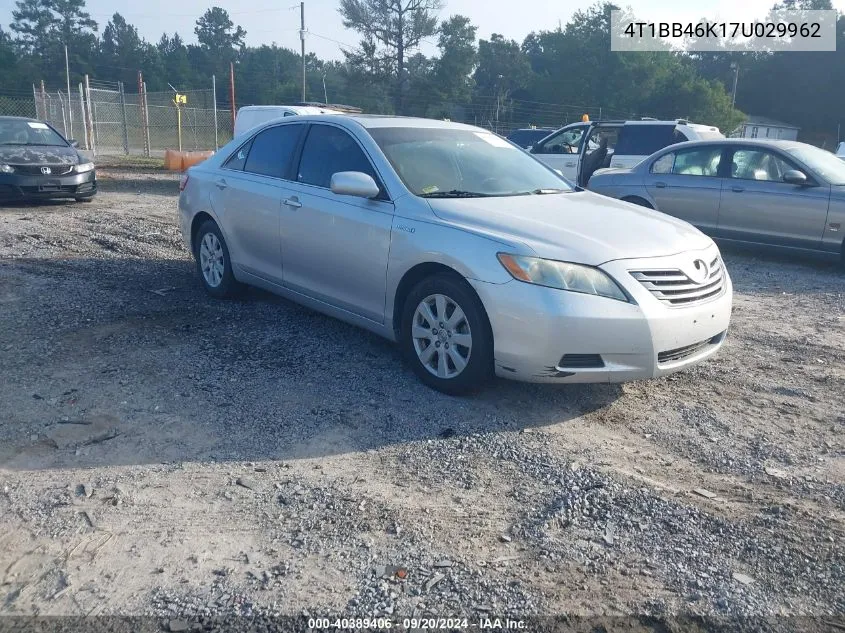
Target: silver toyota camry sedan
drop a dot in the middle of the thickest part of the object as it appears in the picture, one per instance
(469, 253)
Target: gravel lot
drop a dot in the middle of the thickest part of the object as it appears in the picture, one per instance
(164, 453)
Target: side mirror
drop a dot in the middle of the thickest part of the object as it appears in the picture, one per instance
(795, 177)
(354, 183)
(73, 143)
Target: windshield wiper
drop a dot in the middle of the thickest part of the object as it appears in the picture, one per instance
(455, 193)
(541, 192)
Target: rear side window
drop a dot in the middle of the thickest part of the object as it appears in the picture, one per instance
(644, 140)
(238, 159)
(272, 150)
(327, 151)
(698, 162)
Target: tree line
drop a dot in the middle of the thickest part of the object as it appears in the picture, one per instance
(553, 74)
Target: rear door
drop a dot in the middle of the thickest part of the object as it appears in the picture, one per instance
(561, 150)
(637, 141)
(247, 197)
(687, 184)
(757, 206)
(336, 247)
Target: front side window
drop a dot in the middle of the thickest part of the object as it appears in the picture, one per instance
(456, 163)
(698, 162)
(754, 164)
(564, 142)
(329, 150)
(272, 150)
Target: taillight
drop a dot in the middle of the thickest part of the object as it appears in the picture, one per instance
(183, 182)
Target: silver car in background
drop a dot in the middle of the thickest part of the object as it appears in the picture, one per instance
(776, 193)
(471, 254)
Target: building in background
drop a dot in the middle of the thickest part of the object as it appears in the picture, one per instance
(764, 127)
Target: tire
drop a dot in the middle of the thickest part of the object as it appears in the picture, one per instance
(447, 293)
(213, 263)
(639, 202)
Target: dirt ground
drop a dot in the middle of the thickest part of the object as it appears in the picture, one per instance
(166, 454)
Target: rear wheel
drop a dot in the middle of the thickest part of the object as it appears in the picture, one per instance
(213, 263)
(445, 335)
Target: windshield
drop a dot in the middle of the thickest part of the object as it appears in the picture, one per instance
(825, 164)
(447, 163)
(17, 132)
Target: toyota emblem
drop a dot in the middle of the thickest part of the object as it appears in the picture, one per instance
(700, 271)
(46, 170)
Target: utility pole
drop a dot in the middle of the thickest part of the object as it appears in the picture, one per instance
(232, 92)
(69, 106)
(302, 39)
(735, 67)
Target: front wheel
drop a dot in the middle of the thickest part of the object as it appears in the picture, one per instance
(445, 335)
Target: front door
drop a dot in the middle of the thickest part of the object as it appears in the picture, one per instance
(336, 247)
(758, 206)
(560, 150)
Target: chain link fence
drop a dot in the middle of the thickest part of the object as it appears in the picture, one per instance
(107, 120)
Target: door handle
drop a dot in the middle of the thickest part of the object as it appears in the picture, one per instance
(293, 202)
(570, 164)
(221, 183)
(660, 185)
(737, 189)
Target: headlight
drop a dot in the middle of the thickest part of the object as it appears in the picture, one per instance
(83, 167)
(561, 275)
(7, 169)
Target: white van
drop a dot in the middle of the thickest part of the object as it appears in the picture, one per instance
(249, 117)
(579, 149)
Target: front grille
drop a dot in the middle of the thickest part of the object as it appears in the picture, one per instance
(673, 287)
(57, 189)
(35, 170)
(681, 353)
(581, 361)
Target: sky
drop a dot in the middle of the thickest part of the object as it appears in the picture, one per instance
(267, 22)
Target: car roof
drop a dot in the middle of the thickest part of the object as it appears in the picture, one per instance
(371, 121)
(782, 144)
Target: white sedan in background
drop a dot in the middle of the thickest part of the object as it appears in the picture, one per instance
(468, 252)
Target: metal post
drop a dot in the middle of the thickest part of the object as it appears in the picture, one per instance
(142, 116)
(64, 115)
(70, 108)
(125, 122)
(35, 100)
(232, 93)
(214, 106)
(148, 145)
(82, 114)
(44, 101)
(91, 123)
(325, 94)
(302, 38)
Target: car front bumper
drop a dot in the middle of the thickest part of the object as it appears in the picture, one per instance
(26, 187)
(547, 335)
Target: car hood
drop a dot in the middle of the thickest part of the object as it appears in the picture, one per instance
(579, 227)
(38, 155)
